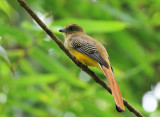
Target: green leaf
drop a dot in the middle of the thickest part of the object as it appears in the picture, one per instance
(3, 54)
(14, 34)
(93, 26)
(4, 6)
(40, 79)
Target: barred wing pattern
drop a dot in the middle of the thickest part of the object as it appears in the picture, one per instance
(89, 49)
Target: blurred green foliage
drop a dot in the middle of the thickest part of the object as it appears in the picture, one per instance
(48, 84)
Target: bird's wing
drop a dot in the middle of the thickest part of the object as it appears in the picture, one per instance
(89, 49)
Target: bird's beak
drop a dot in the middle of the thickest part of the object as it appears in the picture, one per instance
(62, 30)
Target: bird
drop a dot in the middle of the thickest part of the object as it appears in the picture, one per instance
(92, 53)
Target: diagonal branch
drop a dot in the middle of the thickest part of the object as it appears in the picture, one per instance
(83, 67)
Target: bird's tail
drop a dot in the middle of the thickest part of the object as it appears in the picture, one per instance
(114, 88)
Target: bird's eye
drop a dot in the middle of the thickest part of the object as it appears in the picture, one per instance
(71, 28)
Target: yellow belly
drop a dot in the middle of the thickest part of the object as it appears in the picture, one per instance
(85, 59)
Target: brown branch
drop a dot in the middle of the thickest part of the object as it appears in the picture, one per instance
(83, 67)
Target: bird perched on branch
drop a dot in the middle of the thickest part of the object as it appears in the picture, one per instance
(92, 53)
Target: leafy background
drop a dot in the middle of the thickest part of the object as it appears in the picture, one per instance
(48, 84)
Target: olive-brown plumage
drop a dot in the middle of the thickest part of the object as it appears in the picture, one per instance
(92, 53)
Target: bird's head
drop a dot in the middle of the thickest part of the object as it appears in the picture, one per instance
(71, 28)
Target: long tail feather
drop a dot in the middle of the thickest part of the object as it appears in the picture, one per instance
(114, 88)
